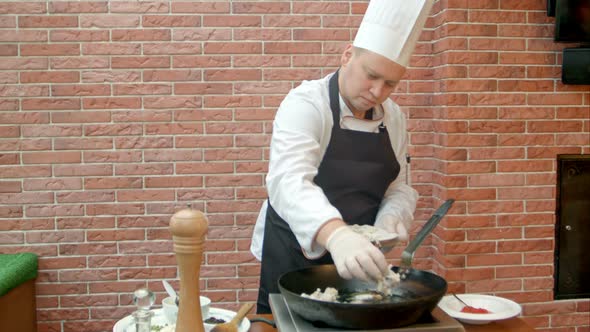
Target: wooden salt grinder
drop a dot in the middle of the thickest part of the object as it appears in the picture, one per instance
(188, 228)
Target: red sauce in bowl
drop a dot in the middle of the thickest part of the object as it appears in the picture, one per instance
(474, 310)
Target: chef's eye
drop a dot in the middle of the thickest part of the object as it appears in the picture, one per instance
(371, 76)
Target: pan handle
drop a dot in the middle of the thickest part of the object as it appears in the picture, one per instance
(408, 253)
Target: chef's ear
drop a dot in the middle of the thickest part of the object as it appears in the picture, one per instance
(347, 55)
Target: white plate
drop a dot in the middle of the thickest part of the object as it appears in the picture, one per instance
(499, 307)
(127, 325)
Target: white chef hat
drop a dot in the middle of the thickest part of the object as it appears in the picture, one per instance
(392, 27)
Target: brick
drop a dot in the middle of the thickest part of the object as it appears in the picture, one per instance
(49, 49)
(81, 90)
(89, 301)
(231, 21)
(51, 104)
(9, 50)
(500, 44)
(141, 169)
(232, 48)
(237, 101)
(143, 142)
(296, 21)
(527, 58)
(141, 116)
(201, 168)
(262, 34)
(23, 91)
(145, 195)
(85, 197)
(109, 21)
(141, 35)
(171, 75)
(497, 99)
(72, 35)
(10, 187)
(82, 170)
(24, 63)
(51, 157)
(554, 126)
(53, 21)
(171, 48)
(55, 210)
(555, 99)
(260, 8)
(118, 235)
(292, 48)
(24, 171)
(74, 7)
(173, 129)
(185, 61)
(141, 7)
(82, 143)
(310, 7)
(171, 102)
(171, 21)
(50, 77)
(85, 222)
(497, 127)
(202, 34)
(23, 36)
(111, 49)
(111, 103)
(499, 16)
(141, 62)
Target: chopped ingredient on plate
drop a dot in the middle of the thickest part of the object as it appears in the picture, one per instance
(214, 320)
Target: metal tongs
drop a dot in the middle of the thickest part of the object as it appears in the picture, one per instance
(408, 254)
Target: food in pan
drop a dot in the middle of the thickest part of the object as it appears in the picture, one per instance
(329, 295)
(387, 284)
(384, 289)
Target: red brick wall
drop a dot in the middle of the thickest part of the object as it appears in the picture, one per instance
(115, 114)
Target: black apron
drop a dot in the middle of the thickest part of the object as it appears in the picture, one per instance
(354, 174)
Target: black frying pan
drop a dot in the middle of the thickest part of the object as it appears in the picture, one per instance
(417, 294)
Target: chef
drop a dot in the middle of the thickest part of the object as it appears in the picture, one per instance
(338, 157)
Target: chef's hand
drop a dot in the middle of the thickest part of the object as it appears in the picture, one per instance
(392, 224)
(355, 256)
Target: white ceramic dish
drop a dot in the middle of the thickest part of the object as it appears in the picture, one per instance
(127, 325)
(499, 307)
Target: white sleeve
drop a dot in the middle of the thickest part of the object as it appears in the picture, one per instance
(296, 153)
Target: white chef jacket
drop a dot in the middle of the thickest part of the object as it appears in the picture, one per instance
(301, 133)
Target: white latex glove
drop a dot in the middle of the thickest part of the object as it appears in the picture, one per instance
(393, 224)
(355, 256)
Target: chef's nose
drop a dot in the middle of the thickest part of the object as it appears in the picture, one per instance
(377, 89)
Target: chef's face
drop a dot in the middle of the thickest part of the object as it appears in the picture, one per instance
(366, 79)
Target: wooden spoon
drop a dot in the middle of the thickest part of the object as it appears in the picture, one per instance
(232, 325)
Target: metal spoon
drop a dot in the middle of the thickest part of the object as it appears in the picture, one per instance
(170, 290)
(455, 295)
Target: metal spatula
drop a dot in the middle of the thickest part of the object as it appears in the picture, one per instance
(408, 254)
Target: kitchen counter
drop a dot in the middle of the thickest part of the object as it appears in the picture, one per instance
(513, 324)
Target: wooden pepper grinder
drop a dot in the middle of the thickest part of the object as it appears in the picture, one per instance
(188, 228)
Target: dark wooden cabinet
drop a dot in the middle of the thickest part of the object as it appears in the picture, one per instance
(572, 231)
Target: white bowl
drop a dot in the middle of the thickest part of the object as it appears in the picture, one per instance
(171, 310)
(499, 308)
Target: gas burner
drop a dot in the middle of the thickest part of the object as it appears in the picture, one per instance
(288, 321)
